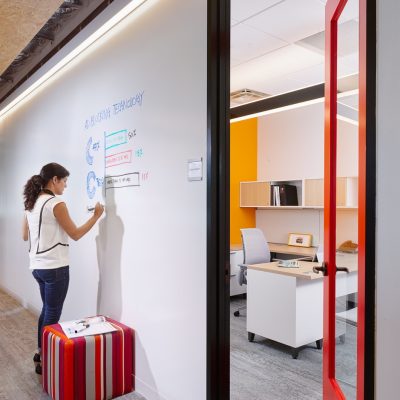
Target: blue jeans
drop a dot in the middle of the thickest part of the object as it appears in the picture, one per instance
(53, 285)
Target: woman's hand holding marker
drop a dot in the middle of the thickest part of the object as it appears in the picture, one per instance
(98, 210)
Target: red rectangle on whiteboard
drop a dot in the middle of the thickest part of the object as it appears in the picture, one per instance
(119, 158)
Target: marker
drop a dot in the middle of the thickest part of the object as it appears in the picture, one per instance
(90, 209)
(81, 328)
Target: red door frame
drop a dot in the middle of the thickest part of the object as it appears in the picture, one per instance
(331, 389)
(362, 194)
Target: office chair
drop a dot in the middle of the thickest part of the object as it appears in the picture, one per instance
(255, 251)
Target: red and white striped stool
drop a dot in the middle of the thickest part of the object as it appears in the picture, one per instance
(91, 367)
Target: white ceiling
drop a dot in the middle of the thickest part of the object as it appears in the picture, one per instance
(278, 45)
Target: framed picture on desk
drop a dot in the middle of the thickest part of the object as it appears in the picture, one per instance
(300, 239)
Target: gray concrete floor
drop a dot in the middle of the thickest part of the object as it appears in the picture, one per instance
(265, 370)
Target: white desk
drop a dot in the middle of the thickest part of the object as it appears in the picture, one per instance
(236, 257)
(286, 305)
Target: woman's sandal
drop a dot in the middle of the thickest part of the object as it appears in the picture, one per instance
(38, 369)
(38, 363)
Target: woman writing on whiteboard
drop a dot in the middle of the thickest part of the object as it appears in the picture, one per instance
(47, 225)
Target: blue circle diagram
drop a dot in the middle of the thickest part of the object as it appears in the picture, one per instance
(91, 184)
(89, 157)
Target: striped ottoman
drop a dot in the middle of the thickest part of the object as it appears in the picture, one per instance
(91, 367)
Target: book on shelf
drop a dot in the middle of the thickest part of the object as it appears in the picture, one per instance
(284, 195)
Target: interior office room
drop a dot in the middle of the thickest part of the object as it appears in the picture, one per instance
(131, 96)
(279, 48)
(275, 50)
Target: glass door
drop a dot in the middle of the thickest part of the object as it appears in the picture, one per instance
(344, 192)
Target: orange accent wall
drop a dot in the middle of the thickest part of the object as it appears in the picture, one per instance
(243, 167)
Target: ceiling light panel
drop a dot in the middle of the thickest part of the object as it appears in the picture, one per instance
(272, 66)
(248, 43)
(243, 9)
(291, 20)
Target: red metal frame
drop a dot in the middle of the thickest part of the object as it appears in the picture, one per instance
(331, 389)
(362, 163)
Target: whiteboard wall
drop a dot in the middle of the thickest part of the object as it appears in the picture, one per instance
(124, 118)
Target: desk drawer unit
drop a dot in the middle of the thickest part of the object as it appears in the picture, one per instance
(91, 367)
(289, 309)
(283, 308)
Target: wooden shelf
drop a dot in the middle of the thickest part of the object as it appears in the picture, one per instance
(254, 194)
(257, 194)
(346, 192)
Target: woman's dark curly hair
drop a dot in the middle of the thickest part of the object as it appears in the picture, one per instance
(36, 183)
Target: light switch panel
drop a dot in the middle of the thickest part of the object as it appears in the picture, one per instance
(195, 169)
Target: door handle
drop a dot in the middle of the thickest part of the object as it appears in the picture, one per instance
(323, 268)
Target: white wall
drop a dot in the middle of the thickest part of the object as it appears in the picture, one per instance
(145, 263)
(291, 147)
(276, 224)
(290, 144)
(388, 194)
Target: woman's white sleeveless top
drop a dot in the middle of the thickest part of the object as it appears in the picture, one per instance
(48, 242)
